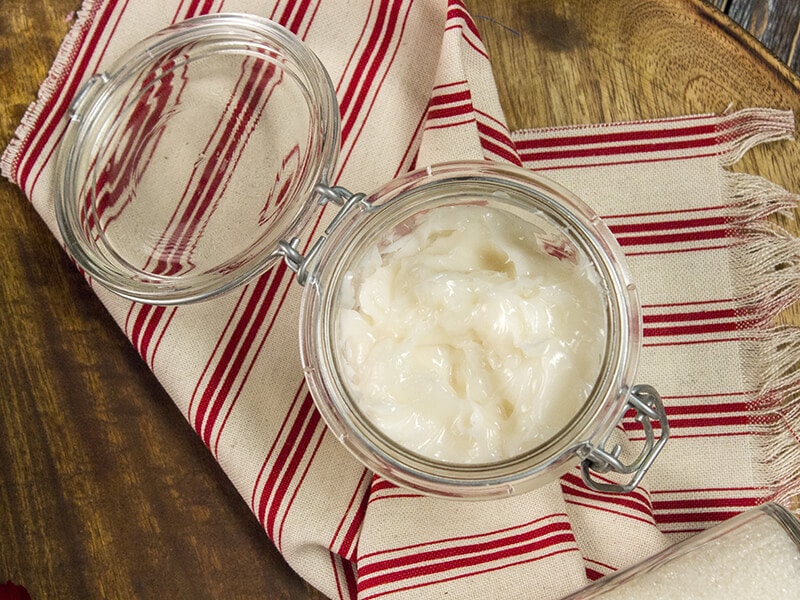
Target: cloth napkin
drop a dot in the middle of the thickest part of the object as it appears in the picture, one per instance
(415, 87)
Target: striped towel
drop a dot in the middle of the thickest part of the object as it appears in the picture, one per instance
(414, 85)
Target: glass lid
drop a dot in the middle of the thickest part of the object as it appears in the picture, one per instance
(190, 159)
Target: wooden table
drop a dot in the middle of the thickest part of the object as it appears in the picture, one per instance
(105, 491)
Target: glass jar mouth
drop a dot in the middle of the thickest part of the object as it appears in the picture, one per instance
(528, 197)
(187, 161)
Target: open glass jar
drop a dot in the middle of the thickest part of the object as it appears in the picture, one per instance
(194, 163)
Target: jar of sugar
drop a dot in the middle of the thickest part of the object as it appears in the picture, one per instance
(468, 330)
(755, 554)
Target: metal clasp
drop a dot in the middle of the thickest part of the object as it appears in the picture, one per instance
(342, 197)
(646, 401)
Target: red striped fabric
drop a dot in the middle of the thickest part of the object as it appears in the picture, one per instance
(413, 82)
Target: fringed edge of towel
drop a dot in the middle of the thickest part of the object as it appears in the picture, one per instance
(766, 270)
(775, 414)
(739, 132)
(50, 87)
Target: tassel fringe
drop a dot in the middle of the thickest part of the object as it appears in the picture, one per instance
(766, 265)
(739, 132)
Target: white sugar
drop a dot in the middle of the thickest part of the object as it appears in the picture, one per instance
(756, 560)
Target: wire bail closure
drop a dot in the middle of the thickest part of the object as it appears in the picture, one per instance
(646, 401)
(338, 195)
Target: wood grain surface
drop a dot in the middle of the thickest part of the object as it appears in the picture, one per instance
(105, 491)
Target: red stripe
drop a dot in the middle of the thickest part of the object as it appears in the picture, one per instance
(289, 469)
(497, 150)
(427, 569)
(699, 315)
(574, 486)
(694, 342)
(267, 460)
(351, 578)
(701, 329)
(621, 228)
(609, 510)
(460, 28)
(267, 304)
(229, 323)
(707, 408)
(450, 111)
(233, 355)
(149, 331)
(285, 464)
(160, 338)
(601, 564)
(695, 517)
(142, 312)
(501, 126)
(676, 238)
(472, 573)
(442, 86)
(135, 334)
(593, 575)
(457, 11)
(261, 305)
(451, 98)
(462, 538)
(336, 564)
(111, 189)
(716, 128)
(615, 163)
(354, 519)
(702, 503)
(373, 499)
(713, 422)
(207, 7)
(296, 489)
(413, 143)
(351, 142)
(616, 137)
(490, 546)
(678, 211)
(343, 569)
(300, 10)
(194, 184)
(294, 24)
(677, 250)
(617, 150)
(450, 124)
(367, 67)
(498, 134)
(501, 144)
(379, 484)
(707, 490)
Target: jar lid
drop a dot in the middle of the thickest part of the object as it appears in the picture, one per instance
(189, 160)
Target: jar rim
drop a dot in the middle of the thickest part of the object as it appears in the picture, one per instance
(144, 129)
(597, 416)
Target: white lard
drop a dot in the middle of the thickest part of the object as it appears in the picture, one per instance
(466, 338)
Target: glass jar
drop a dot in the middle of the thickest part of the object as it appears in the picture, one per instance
(755, 554)
(194, 163)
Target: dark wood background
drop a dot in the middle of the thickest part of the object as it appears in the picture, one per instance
(105, 491)
(775, 22)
